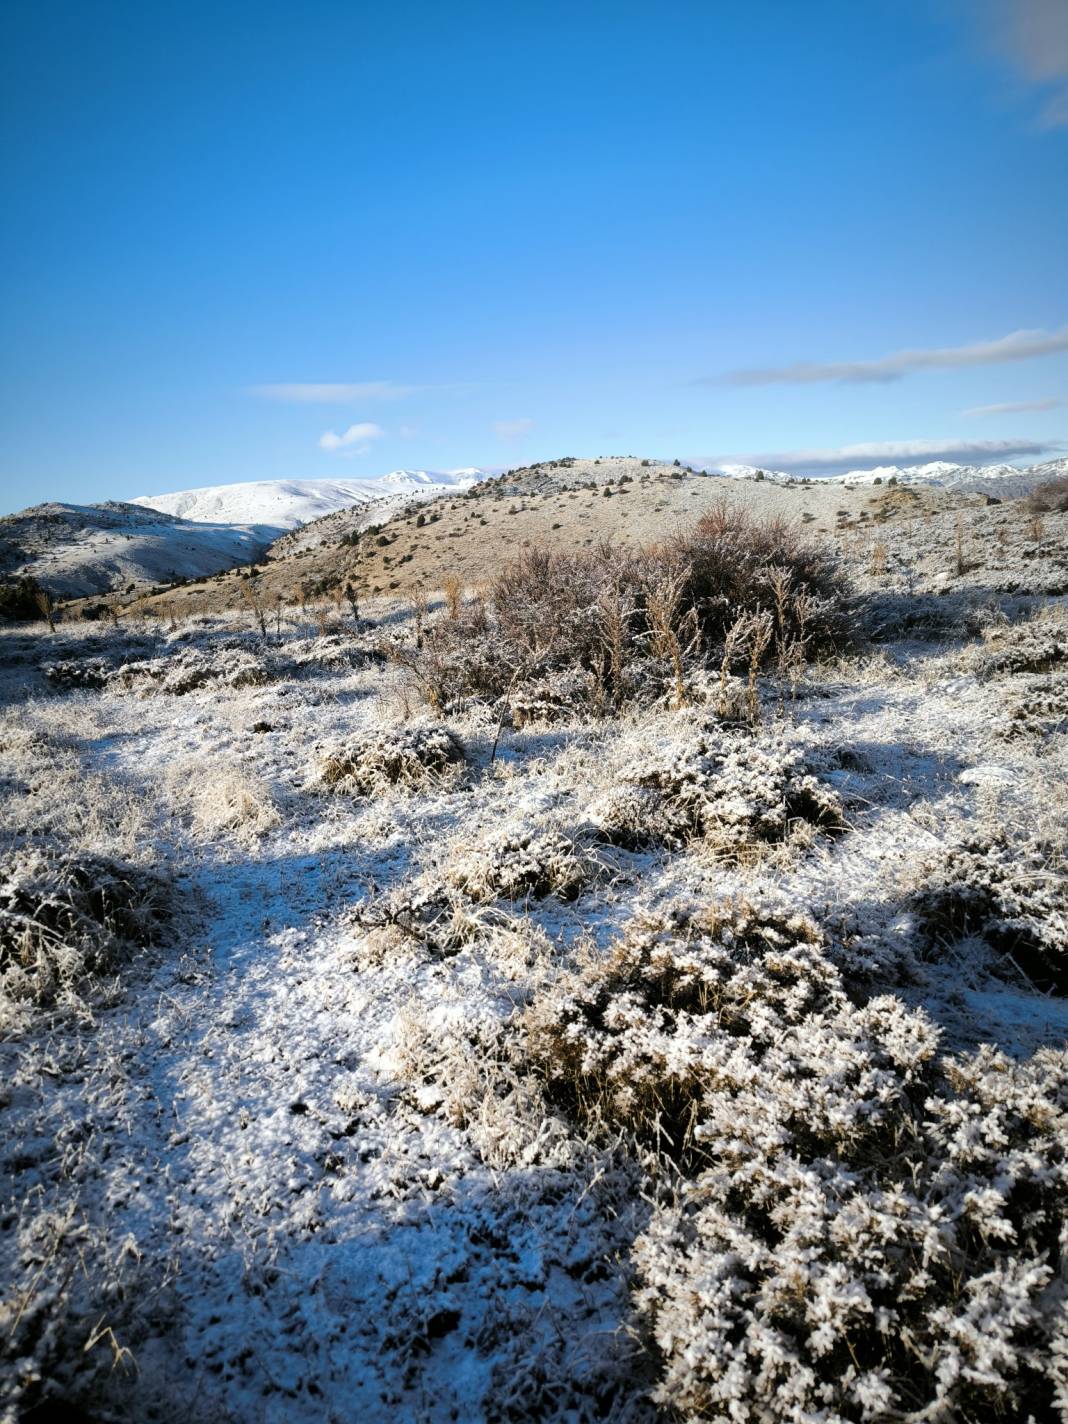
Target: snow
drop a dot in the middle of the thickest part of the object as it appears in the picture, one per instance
(74, 550)
(286, 504)
(284, 1158)
(1005, 481)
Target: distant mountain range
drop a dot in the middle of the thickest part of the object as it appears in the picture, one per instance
(76, 550)
(286, 504)
(1006, 481)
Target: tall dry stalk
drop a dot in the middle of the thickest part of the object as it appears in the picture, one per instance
(762, 630)
(616, 609)
(43, 599)
(420, 607)
(453, 589)
(674, 635)
(250, 593)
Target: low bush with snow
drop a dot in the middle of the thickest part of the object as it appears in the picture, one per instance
(1011, 891)
(862, 1232)
(1038, 709)
(190, 669)
(524, 863)
(66, 918)
(729, 790)
(78, 673)
(1036, 645)
(394, 756)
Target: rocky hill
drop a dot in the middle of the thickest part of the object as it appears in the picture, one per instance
(74, 550)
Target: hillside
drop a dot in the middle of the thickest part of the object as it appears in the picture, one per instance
(473, 532)
(78, 550)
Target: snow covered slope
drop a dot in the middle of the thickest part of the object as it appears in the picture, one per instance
(1000, 480)
(78, 549)
(286, 504)
(1007, 481)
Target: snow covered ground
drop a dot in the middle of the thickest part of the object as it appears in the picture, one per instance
(278, 1166)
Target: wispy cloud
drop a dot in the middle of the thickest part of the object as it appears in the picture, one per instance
(1034, 36)
(1017, 346)
(333, 393)
(1012, 407)
(512, 429)
(887, 452)
(356, 440)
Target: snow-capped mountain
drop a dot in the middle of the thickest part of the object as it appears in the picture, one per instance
(1005, 481)
(79, 549)
(287, 504)
(1000, 480)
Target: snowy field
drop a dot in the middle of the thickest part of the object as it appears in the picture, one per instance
(498, 1062)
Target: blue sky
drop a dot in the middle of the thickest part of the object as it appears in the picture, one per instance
(259, 241)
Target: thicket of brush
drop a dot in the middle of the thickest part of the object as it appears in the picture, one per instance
(737, 592)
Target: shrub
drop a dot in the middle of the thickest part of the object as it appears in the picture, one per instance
(725, 789)
(553, 697)
(623, 1039)
(637, 622)
(900, 1268)
(862, 1231)
(396, 756)
(1035, 645)
(1041, 710)
(66, 918)
(20, 600)
(524, 864)
(71, 673)
(1051, 497)
(1008, 890)
(189, 670)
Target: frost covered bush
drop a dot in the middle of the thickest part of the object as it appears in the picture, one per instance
(435, 919)
(189, 669)
(522, 864)
(1039, 710)
(232, 799)
(904, 1266)
(71, 673)
(627, 1037)
(1036, 645)
(1009, 890)
(728, 790)
(394, 756)
(862, 1231)
(553, 697)
(67, 917)
(1050, 498)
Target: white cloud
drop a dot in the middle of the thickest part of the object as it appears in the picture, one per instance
(1012, 407)
(1034, 35)
(353, 441)
(512, 429)
(1017, 346)
(331, 393)
(880, 452)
